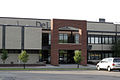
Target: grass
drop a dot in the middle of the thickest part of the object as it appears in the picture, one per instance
(43, 69)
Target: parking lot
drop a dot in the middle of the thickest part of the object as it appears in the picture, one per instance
(60, 75)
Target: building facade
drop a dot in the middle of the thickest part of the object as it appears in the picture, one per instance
(101, 36)
(55, 41)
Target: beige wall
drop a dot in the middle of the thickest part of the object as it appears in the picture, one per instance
(100, 26)
(21, 21)
(118, 27)
(100, 33)
(96, 26)
(0, 37)
(98, 47)
(13, 38)
(11, 58)
(33, 58)
(33, 38)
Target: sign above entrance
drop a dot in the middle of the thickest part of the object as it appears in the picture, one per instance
(43, 23)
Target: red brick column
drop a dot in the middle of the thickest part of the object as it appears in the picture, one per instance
(84, 45)
(55, 46)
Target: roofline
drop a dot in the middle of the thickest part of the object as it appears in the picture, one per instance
(100, 22)
(24, 18)
(68, 19)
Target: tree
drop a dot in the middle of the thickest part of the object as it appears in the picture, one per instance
(77, 57)
(4, 55)
(23, 57)
(116, 48)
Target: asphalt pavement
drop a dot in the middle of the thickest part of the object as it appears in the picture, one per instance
(60, 75)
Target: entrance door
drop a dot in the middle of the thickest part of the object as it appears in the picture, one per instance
(66, 57)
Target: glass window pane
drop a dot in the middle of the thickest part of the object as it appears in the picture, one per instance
(88, 55)
(103, 40)
(110, 40)
(100, 40)
(106, 55)
(88, 39)
(92, 39)
(113, 39)
(106, 40)
(96, 39)
(60, 38)
(92, 56)
(110, 54)
(76, 38)
(65, 38)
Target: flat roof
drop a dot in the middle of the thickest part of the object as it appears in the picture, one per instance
(24, 18)
(100, 22)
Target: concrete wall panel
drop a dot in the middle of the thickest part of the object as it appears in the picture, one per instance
(118, 28)
(98, 47)
(107, 47)
(0, 37)
(33, 38)
(100, 26)
(13, 38)
(27, 22)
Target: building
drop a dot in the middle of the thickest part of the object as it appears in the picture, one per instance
(57, 39)
(101, 36)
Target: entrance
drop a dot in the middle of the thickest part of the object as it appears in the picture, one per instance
(66, 57)
(46, 56)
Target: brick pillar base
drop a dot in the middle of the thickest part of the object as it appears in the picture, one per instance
(54, 57)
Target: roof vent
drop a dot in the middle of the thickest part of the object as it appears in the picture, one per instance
(101, 20)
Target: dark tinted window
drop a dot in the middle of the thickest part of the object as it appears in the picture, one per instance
(116, 60)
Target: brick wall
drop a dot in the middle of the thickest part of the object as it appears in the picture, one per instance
(55, 46)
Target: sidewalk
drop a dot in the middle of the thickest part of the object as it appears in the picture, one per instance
(60, 66)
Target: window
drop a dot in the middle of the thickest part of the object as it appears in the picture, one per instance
(106, 40)
(106, 55)
(63, 38)
(89, 39)
(99, 39)
(94, 56)
(77, 38)
(96, 40)
(113, 40)
(92, 39)
(60, 38)
(110, 40)
(109, 60)
(103, 40)
(110, 54)
(116, 60)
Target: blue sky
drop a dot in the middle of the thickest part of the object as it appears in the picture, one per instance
(90, 10)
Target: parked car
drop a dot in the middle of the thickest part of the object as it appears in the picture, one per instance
(109, 64)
